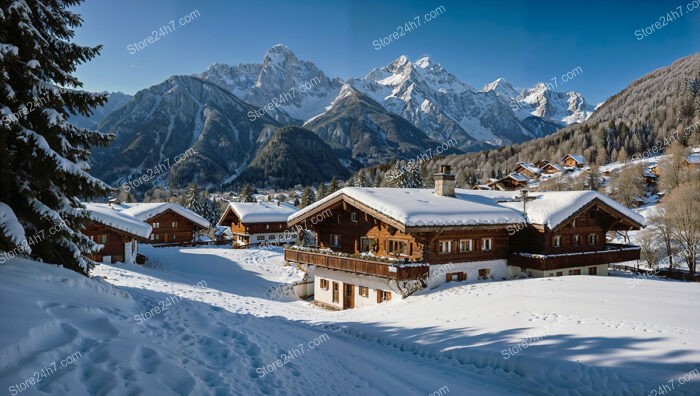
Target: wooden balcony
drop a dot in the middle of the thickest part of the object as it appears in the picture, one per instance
(613, 253)
(357, 266)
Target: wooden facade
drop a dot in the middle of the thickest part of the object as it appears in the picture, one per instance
(572, 162)
(351, 230)
(525, 171)
(115, 242)
(247, 233)
(171, 227)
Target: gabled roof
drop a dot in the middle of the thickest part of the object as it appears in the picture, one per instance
(260, 212)
(146, 211)
(578, 158)
(515, 176)
(409, 207)
(552, 165)
(417, 207)
(552, 208)
(117, 219)
(526, 165)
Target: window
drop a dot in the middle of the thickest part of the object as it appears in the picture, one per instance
(150, 237)
(465, 245)
(271, 237)
(336, 292)
(335, 240)
(367, 244)
(267, 226)
(383, 296)
(573, 224)
(556, 241)
(260, 237)
(103, 238)
(173, 224)
(484, 273)
(576, 241)
(445, 247)
(486, 244)
(157, 237)
(575, 272)
(324, 284)
(338, 219)
(456, 277)
(592, 239)
(353, 217)
(174, 237)
(398, 247)
(592, 270)
(364, 291)
(156, 225)
(560, 273)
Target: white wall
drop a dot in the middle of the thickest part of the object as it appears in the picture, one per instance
(602, 271)
(373, 283)
(438, 272)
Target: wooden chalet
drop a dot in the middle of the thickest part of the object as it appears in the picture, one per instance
(171, 223)
(528, 170)
(574, 161)
(551, 168)
(384, 243)
(511, 182)
(655, 170)
(254, 223)
(118, 232)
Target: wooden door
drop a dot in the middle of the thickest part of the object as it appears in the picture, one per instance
(348, 296)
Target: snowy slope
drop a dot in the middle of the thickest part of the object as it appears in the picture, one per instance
(226, 321)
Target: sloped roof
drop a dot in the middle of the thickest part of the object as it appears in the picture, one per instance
(421, 207)
(530, 167)
(415, 207)
(575, 157)
(146, 211)
(260, 212)
(114, 217)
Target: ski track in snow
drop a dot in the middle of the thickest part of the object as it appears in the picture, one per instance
(213, 339)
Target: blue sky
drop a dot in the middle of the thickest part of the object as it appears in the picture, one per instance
(478, 41)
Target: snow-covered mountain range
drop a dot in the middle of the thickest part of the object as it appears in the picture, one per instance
(396, 111)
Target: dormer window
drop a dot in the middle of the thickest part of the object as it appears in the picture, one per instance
(353, 217)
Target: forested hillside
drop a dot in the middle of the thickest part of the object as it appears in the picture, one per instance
(643, 119)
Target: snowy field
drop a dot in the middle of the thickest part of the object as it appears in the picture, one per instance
(212, 321)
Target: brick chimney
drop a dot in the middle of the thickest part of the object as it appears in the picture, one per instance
(445, 182)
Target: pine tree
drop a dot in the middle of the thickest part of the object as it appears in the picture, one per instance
(246, 195)
(210, 210)
(321, 192)
(405, 177)
(43, 158)
(307, 197)
(333, 187)
(192, 199)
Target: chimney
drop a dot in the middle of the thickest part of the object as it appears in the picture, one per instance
(445, 182)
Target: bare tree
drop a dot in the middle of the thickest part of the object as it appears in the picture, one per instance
(672, 167)
(662, 225)
(683, 205)
(627, 185)
(649, 243)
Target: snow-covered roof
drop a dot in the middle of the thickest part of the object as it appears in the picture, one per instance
(576, 157)
(553, 165)
(421, 207)
(415, 207)
(551, 208)
(516, 177)
(145, 211)
(261, 212)
(694, 159)
(530, 167)
(116, 218)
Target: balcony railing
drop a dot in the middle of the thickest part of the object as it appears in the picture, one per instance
(399, 272)
(613, 253)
